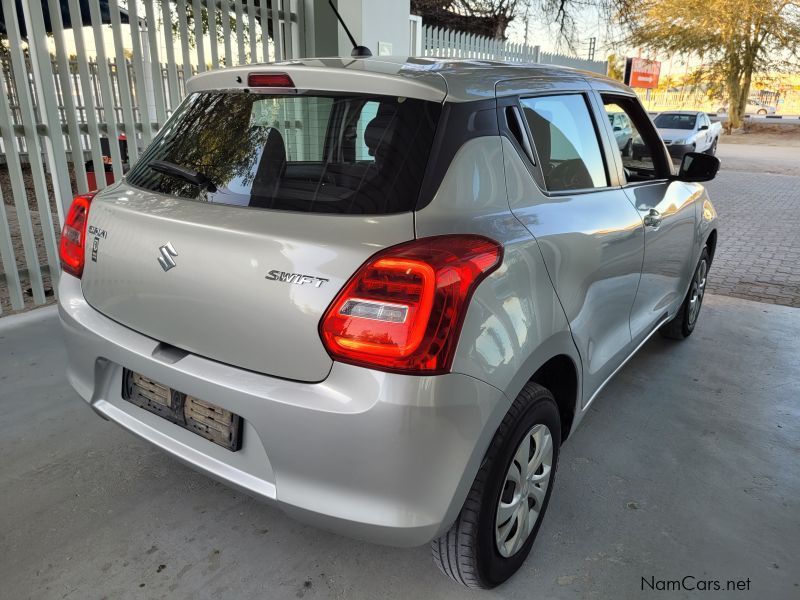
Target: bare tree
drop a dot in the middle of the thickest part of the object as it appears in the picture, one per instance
(479, 17)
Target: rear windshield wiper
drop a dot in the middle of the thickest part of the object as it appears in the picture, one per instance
(195, 177)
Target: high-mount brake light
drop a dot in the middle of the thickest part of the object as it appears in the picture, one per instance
(272, 80)
(72, 248)
(403, 309)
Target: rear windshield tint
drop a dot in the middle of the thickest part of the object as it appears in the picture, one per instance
(345, 154)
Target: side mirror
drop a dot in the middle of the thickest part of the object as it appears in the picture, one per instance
(697, 167)
(702, 127)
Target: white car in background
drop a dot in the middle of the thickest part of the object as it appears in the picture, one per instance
(684, 131)
(753, 107)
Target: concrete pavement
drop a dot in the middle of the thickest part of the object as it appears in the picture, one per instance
(759, 158)
(687, 466)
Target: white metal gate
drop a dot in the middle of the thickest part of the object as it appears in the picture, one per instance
(73, 103)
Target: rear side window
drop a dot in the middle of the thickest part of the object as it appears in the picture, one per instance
(343, 154)
(566, 142)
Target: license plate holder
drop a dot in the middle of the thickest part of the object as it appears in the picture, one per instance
(202, 418)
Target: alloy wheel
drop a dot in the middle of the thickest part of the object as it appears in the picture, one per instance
(524, 490)
(698, 291)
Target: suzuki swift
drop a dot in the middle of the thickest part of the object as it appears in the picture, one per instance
(381, 293)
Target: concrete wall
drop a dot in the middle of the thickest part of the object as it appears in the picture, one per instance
(322, 37)
(381, 25)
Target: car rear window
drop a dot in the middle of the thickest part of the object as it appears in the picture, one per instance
(344, 154)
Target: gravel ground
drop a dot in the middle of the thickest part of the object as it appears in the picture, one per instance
(16, 239)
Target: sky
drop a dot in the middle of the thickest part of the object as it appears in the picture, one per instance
(589, 23)
(542, 32)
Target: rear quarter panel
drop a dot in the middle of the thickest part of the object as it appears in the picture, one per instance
(515, 322)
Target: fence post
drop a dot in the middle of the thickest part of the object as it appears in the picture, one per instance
(172, 67)
(211, 11)
(183, 33)
(428, 40)
(278, 41)
(140, 82)
(251, 27)
(263, 16)
(123, 83)
(34, 159)
(45, 91)
(85, 81)
(301, 29)
(240, 29)
(6, 247)
(199, 38)
(150, 41)
(106, 91)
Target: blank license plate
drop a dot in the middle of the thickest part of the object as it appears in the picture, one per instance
(198, 416)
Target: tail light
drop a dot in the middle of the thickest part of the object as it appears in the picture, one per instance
(402, 311)
(72, 249)
(269, 80)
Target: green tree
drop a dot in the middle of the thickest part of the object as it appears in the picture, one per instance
(736, 38)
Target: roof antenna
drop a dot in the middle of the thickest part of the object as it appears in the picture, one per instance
(358, 51)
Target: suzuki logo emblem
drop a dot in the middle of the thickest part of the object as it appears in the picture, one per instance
(167, 252)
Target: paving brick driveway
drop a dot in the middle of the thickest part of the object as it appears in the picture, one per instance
(758, 253)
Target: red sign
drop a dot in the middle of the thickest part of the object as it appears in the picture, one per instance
(642, 73)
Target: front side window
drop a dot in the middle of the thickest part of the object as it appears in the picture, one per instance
(566, 142)
(345, 154)
(638, 144)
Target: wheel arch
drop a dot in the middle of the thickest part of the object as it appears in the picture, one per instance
(711, 244)
(559, 375)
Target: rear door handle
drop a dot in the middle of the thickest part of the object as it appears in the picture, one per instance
(652, 218)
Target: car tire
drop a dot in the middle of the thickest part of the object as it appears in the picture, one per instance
(762, 111)
(713, 149)
(470, 551)
(627, 151)
(683, 323)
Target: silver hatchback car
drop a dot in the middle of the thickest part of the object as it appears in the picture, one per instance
(382, 293)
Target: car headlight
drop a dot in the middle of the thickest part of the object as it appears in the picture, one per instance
(680, 141)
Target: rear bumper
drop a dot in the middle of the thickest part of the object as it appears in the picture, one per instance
(377, 456)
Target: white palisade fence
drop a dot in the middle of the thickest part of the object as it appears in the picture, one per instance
(436, 41)
(68, 99)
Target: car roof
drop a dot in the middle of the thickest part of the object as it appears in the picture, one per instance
(681, 112)
(428, 78)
